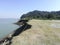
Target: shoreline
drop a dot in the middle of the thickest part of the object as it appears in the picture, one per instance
(9, 37)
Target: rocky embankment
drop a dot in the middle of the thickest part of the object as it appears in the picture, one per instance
(23, 26)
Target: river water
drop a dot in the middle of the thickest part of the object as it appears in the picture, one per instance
(7, 26)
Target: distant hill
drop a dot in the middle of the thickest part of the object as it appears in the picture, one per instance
(41, 15)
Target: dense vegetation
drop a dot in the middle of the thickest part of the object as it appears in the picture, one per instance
(41, 15)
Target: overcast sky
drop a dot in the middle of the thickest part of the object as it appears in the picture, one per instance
(15, 8)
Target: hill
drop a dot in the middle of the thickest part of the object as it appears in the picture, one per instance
(41, 15)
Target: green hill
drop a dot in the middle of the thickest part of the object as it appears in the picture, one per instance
(41, 15)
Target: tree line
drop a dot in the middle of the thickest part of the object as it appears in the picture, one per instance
(41, 15)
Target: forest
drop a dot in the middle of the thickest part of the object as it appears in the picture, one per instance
(45, 15)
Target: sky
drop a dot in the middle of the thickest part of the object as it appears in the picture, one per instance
(15, 8)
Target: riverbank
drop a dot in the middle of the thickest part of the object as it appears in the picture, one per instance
(8, 38)
(37, 32)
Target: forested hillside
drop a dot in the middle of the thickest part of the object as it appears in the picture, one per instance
(41, 15)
